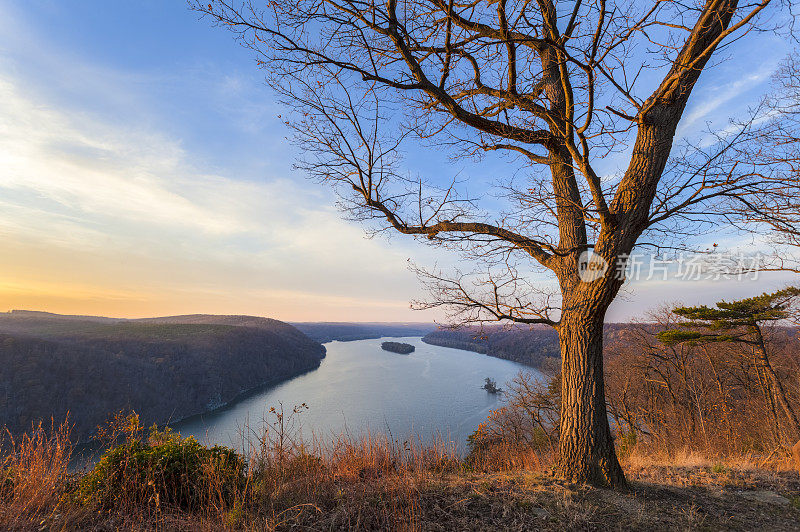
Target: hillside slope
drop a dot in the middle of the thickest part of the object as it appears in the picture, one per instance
(163, 368)
(536, 347)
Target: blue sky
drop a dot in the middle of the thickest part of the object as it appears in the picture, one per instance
(144, 171)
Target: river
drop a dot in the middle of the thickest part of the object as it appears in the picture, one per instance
(360, 388)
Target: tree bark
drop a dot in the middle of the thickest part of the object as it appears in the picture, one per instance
(778, 390)
(586, 446)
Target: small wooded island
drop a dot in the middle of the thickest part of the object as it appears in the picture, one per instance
(491, 386)
(398, 347)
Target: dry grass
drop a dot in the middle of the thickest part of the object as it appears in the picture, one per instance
(34, 476)
(374, 483)
(642, 457)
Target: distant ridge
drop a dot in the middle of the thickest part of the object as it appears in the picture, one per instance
(345, 332)
(76, 317)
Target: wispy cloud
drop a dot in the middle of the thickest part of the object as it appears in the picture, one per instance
(96, 171)
(713, 98)
(98, 209)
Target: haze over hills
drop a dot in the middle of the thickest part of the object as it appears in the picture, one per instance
(344, 332)
(44, 322)
(165, 368)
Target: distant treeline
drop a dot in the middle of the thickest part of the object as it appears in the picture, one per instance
(347, 332)
(165, 369)
(536, 347)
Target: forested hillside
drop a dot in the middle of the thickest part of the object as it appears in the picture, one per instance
(163, 368)
(536, 347)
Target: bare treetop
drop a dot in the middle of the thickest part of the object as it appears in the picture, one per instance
(557, 85)
(560, 85)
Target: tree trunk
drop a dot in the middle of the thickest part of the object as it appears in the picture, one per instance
(777, 386)
(586, 447)
(769, 398)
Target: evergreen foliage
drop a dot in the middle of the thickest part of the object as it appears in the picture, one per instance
(733, 321)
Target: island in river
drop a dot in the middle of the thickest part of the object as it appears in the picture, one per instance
(397, 347)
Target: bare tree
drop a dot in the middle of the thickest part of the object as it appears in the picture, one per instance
(769, 145)
(556, 86)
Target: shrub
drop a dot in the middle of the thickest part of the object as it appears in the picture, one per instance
(163, 470)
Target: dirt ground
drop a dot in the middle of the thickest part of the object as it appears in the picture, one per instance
(660, 498)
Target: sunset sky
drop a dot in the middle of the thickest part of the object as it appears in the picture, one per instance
(144, 171)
